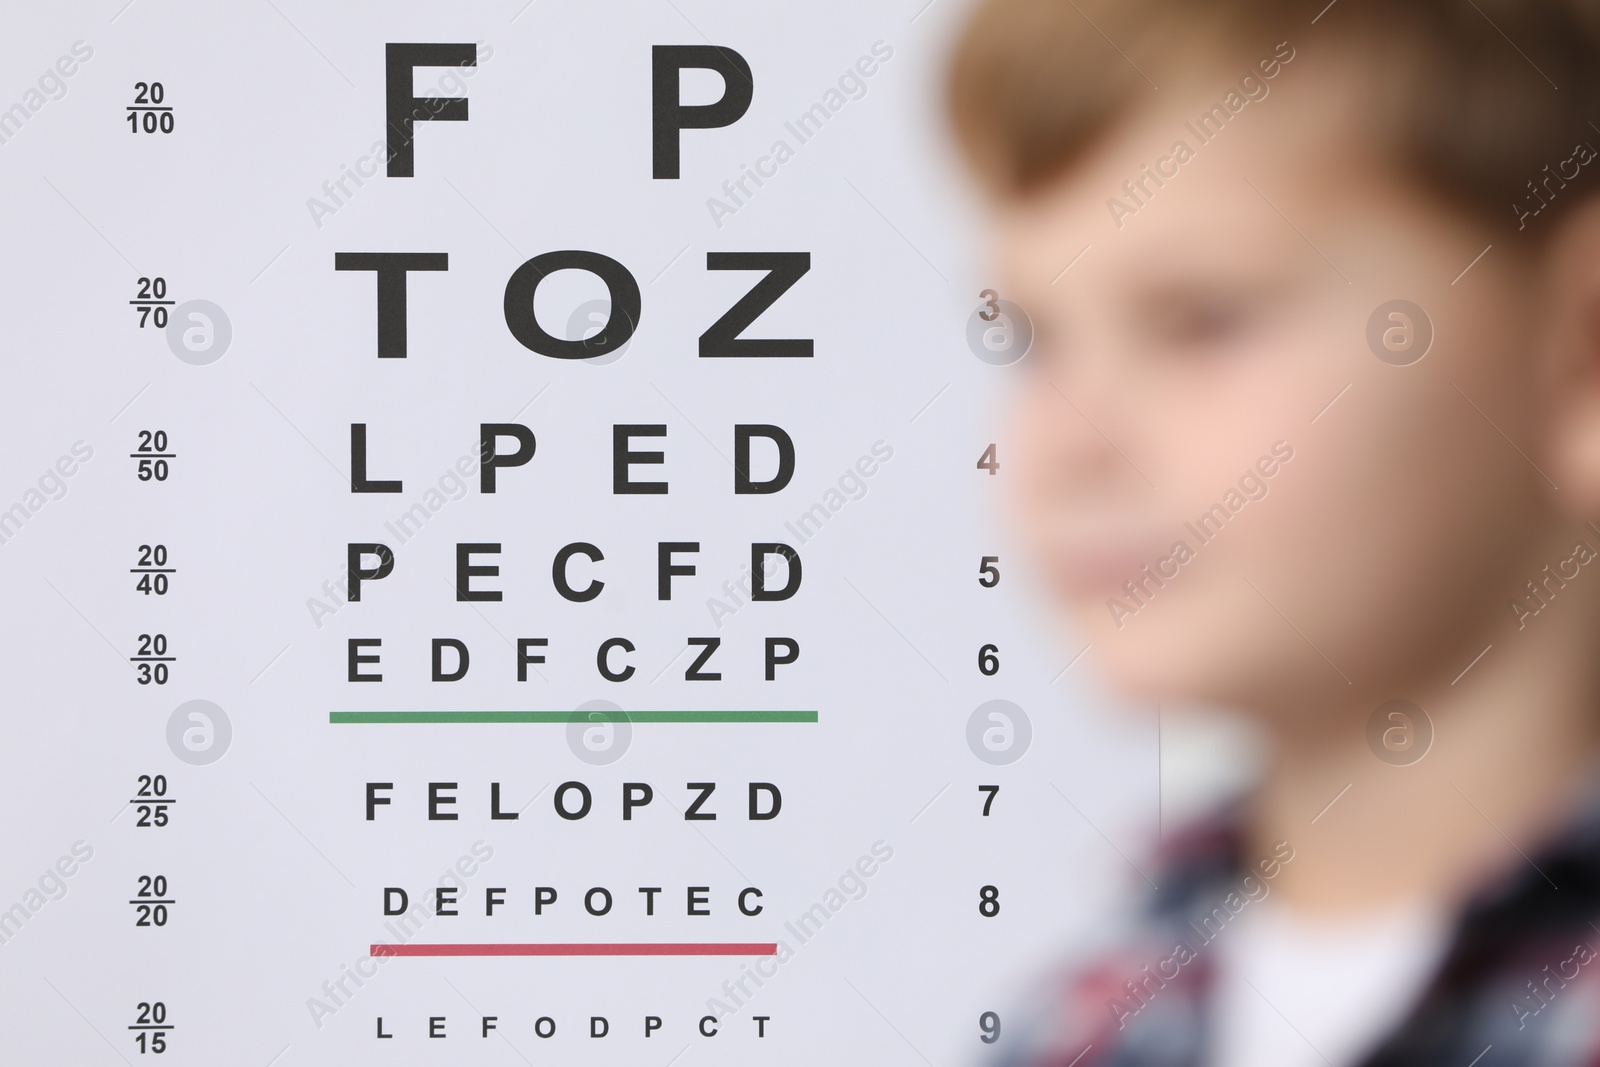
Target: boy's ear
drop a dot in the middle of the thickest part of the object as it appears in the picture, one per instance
(1570, 371)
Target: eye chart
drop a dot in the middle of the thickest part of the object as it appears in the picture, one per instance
(502, 526)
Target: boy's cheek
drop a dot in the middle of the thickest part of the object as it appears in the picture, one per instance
(1207, 637)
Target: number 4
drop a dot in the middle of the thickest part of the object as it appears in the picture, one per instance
(989, 461)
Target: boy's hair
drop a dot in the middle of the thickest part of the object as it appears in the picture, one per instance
(1473, 97)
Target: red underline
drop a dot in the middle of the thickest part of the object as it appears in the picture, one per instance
(715, 948)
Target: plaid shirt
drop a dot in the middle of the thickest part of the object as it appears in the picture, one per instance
(1518, 986)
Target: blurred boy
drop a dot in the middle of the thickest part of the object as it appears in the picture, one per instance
(1311, 430)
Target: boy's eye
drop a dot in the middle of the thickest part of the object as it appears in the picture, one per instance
(1200, 323)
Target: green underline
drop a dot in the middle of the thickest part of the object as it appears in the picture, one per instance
(567, 716)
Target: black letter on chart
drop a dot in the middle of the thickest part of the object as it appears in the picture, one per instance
(403, 111)
(783, 270)
(391, 268)
(669, 116)
(621, 289)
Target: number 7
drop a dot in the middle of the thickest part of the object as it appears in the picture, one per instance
(993, 791)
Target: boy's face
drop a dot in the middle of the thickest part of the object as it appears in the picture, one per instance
(1374, 523)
